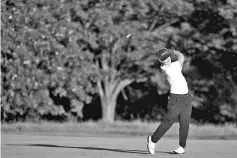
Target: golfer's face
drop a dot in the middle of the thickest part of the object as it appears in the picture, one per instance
(167, 61)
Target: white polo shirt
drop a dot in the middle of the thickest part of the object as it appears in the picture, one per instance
(173, 73)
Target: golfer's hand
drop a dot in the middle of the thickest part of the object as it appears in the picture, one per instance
(177, 53)
(180, 56)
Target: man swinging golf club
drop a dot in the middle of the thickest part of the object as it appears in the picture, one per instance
(179, 100)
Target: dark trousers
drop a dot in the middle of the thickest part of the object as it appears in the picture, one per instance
(179, 108)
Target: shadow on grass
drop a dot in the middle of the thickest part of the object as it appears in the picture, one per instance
(91, 148)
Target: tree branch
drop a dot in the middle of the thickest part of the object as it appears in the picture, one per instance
(120, 86)
(100, 89)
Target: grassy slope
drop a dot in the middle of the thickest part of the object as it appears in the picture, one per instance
(136, 128)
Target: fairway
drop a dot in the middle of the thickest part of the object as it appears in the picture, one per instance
(28, 146)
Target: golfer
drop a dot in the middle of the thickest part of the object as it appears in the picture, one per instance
(179, 100)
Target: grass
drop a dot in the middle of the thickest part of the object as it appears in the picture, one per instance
(118, 128)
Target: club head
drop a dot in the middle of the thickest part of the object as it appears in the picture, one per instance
(128, 36)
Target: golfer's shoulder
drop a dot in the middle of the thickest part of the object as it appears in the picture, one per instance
(175, 63)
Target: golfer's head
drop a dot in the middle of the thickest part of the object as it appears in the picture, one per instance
(164, 56)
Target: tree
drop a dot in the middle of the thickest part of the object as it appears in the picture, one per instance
(42, 67)
(118, 62)
(56, 55)
(71, 49)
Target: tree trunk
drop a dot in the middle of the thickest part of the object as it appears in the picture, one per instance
(108, 89)
(108, 96)
(108, 109)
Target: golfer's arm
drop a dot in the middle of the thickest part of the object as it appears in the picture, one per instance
(181, 58)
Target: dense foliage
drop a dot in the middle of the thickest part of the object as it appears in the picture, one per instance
(70, 60)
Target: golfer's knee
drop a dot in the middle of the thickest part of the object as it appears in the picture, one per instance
(169, 120)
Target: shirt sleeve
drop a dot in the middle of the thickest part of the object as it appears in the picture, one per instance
(179, 64)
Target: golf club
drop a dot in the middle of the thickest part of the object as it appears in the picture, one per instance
(173, 57)
(133, 36)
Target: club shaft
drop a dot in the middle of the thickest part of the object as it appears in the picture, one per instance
(149, 41)
(133, 36)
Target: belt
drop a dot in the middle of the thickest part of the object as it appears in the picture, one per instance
(179, 95)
